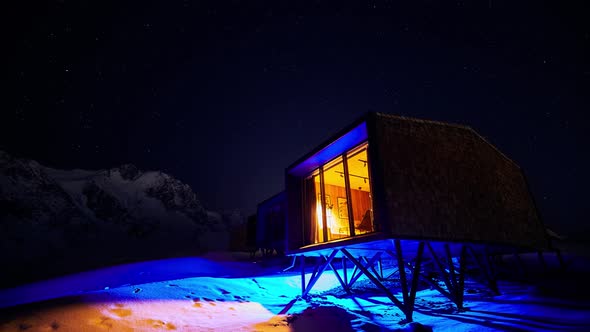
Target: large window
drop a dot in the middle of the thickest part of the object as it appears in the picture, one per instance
(338, 198)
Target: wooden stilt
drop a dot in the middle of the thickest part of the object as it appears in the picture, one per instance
(342, 282)
(482, 261)
(415, 275)
(451, 266)
(410, 272)
(369, 263)
(441, 270)
(345, 269)
(461, 283)
(454, 281)
(402, 270)
(302, 274)
(372, 266)
(407, 311)
(317, 272)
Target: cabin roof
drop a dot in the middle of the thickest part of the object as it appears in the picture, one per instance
(276, 197)
(322, 154)
(449, 125)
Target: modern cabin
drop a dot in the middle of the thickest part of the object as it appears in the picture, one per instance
(392, 177)
(270, 224)
(432, 198)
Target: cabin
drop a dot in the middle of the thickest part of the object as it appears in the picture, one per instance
(270, 225)
(420, 193)
(388, 176)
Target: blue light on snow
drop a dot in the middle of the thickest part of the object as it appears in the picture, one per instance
(116, 276)
(348, 141)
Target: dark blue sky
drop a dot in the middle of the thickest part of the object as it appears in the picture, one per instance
(225, 94)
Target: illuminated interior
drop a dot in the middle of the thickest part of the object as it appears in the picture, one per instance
(339, 197)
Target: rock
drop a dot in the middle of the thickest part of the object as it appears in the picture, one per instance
(129, 172)
(104, 205)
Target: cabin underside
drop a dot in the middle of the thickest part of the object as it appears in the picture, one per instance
(442, 265)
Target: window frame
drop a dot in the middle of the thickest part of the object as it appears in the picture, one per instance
(319, 171)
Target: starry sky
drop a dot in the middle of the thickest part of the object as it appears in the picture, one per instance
(224, 95)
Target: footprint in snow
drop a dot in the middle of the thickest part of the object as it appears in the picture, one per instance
(257, 284)
(120, 310)
(137, 290)
(156, 323)
(103, 322)
(223, 291)
(211, 302)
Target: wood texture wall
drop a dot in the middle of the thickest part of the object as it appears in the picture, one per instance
(445, 182)
(361, 201)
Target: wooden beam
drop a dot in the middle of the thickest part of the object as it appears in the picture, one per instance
(407, 311)
(302, 274)
(342, 283)
(319, 269)
(461, 283)
(442, 271)
(368, 264)
(402, 271)
(451, 267)
(415, 275)
(480, 260)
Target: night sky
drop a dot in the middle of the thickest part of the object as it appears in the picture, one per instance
(224, 95)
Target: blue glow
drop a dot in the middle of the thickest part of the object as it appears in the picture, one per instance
(116, 276)
(348, 141)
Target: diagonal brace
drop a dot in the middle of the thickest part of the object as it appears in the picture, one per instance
(317, 273)
(407, 311)
(369, 264)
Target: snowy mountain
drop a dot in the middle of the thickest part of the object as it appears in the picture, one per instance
(78, 218)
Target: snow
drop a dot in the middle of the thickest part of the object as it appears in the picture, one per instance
(224, 292)
(62, 221)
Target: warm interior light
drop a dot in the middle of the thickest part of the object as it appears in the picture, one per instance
(332, 221)
(345, 195)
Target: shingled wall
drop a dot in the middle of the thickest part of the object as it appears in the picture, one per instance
(441, 181)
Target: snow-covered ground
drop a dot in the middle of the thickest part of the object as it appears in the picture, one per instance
(54, 222)
(217, 292)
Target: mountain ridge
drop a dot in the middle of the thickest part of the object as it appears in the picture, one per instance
(68, 220)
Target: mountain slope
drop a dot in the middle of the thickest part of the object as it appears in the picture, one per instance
(61, 220)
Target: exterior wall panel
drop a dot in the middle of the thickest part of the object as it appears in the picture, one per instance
(445, 182)
(271, 222)
(294, 191)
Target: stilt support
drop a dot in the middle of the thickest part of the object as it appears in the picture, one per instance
(484, 263)
(409, 269)
(318, 269)
(453, 280)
